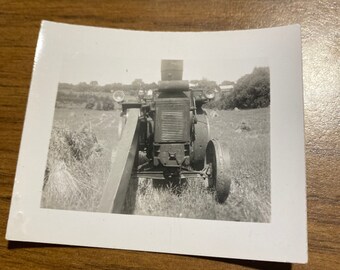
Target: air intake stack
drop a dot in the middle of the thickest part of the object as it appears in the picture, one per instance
(172, 74)
(172, 70)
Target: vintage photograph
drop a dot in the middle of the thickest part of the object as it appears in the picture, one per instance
(186, 138)
(178, 142)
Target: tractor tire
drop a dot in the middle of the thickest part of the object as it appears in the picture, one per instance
(202, 137)
(218, 160)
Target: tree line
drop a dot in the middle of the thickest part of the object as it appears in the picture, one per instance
(94, 86)
(250, 91)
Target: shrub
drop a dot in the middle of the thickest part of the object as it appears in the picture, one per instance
(108, 104)
(99, 106)
(91, 102)
(251, 91)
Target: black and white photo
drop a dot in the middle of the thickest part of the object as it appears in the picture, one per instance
(176, 142)
(182, 111)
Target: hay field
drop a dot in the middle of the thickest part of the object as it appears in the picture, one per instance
(246, 134)
(79, 158)
(78, 185)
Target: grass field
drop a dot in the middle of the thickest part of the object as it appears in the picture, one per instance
(245, 133)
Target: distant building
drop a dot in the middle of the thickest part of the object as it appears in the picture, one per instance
(226, 89)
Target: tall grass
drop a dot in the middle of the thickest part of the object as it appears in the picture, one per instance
(74, 173)
(246, 135)
(171, 202)
(78, 167)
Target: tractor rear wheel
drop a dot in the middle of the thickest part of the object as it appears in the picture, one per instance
(218, 161)
(202, 137)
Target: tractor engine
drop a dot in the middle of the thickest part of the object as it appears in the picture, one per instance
(172, 118)
(173, 127)
(165, 137)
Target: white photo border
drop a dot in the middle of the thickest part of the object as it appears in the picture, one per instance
(283, 239)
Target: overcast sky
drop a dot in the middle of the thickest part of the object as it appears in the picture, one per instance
(105, 70)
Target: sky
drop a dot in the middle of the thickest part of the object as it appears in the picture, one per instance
(105, 70)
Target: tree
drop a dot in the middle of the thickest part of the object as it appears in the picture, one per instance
(137, 84)
(94, 83)
(250, 91)
(82, 87)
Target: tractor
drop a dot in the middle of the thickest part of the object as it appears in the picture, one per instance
(165, 136)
